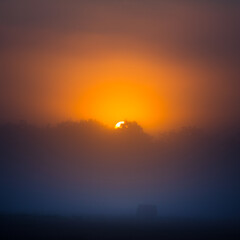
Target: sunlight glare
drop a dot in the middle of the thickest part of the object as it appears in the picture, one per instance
(119, 124)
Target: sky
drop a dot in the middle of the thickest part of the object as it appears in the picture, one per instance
(164, 64)
(157, 65)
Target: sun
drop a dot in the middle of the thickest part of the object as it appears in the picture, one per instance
(119, 124)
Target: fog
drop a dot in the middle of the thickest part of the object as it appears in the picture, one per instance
(88, 168)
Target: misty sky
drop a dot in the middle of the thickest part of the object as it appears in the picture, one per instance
(55, 54)
(158, 65)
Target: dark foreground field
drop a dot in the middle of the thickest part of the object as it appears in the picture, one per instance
(56, 227)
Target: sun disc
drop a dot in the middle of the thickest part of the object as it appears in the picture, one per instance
(119, 124)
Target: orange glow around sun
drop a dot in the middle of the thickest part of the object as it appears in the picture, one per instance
(122, 88)
(110, 101)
